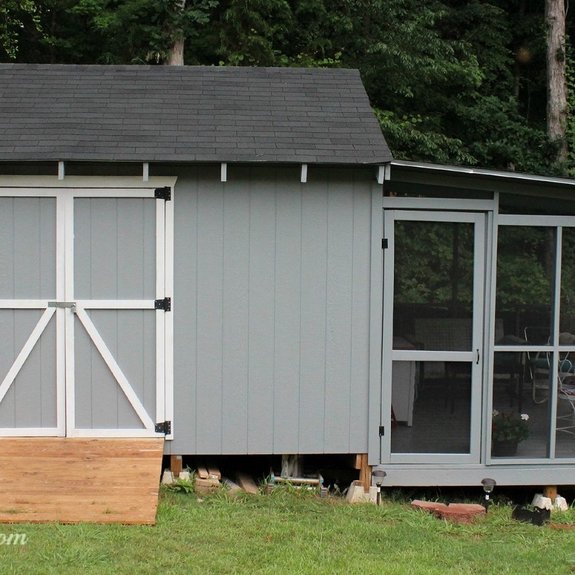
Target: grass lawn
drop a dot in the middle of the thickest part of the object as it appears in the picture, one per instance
(286, 533)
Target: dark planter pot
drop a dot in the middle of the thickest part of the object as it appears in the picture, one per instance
(506, 448)
(536, 516)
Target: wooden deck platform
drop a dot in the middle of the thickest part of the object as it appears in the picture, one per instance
(73, 480)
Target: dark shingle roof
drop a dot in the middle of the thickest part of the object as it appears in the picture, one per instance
(186, 114)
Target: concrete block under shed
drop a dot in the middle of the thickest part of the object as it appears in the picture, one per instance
(206, 486)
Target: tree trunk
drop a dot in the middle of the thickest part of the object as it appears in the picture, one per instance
(176, 55)
(556, 82)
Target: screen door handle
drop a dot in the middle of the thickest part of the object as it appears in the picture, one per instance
(477, 356)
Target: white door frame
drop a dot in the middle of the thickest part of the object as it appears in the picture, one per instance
(474, 356)
(66, 308)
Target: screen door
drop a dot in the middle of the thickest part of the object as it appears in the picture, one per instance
(433, 336)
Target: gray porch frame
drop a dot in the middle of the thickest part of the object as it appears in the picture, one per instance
(452, 188)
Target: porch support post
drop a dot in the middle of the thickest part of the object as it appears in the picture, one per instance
(364, 470)
(176, 465)
(551, 492)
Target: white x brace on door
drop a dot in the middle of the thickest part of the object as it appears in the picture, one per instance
(86, 280)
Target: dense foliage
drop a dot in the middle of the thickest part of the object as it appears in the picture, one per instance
(451, 81)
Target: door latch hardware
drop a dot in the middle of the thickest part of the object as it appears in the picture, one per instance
(62, 304)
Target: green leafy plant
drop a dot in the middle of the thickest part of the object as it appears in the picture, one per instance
(509, 426)
(182, 486)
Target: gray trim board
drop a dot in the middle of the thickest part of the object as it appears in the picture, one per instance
(462, 475)
(506, 175)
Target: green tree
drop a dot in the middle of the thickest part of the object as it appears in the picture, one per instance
(250, 32)
(132, 31)
(15, 15)
(452, 81)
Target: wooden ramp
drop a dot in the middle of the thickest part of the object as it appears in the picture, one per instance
(74, 480)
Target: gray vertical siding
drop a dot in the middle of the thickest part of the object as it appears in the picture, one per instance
(114, 248)
(271, 304)
(27, 248)
(28, 266)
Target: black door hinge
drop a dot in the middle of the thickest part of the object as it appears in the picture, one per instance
(384, 244)
(165, 304)
(381, 430)
(163, 193)
(165, 427)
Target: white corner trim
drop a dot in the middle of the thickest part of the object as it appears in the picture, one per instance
(303, 177)
(61, 170)
(145, 171)
(224, 172)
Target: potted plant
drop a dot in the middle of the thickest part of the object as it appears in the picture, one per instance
(507, 430)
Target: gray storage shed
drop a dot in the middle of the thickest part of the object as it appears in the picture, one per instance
(230, 258)
(263, 245)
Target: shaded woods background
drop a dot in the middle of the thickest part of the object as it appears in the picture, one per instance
(451, 81)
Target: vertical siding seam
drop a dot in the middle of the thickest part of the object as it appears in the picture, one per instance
(325, 335)
(40, 246)
(222, 387)
(90, 204)
(38, 235)
(14, 312)
(40, 342)
(141, 316)
(143, 313)
(89, 293)
(117, 350)
(12, 391)
(351, 323)
(142, 321)
(248, 351)
(274, 379)
(14, 260)
(300, 316)
(143, 245)
(197, 383)
(116, 211)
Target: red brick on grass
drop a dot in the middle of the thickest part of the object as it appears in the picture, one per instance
(428, 505)
(454, 512)
(461, 512)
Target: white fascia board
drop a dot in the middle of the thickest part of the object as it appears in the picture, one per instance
(86, 182)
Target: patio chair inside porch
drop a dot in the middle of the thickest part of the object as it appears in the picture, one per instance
(540, 368)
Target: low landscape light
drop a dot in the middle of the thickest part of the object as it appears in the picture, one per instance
(488, 487)
(378, 476)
